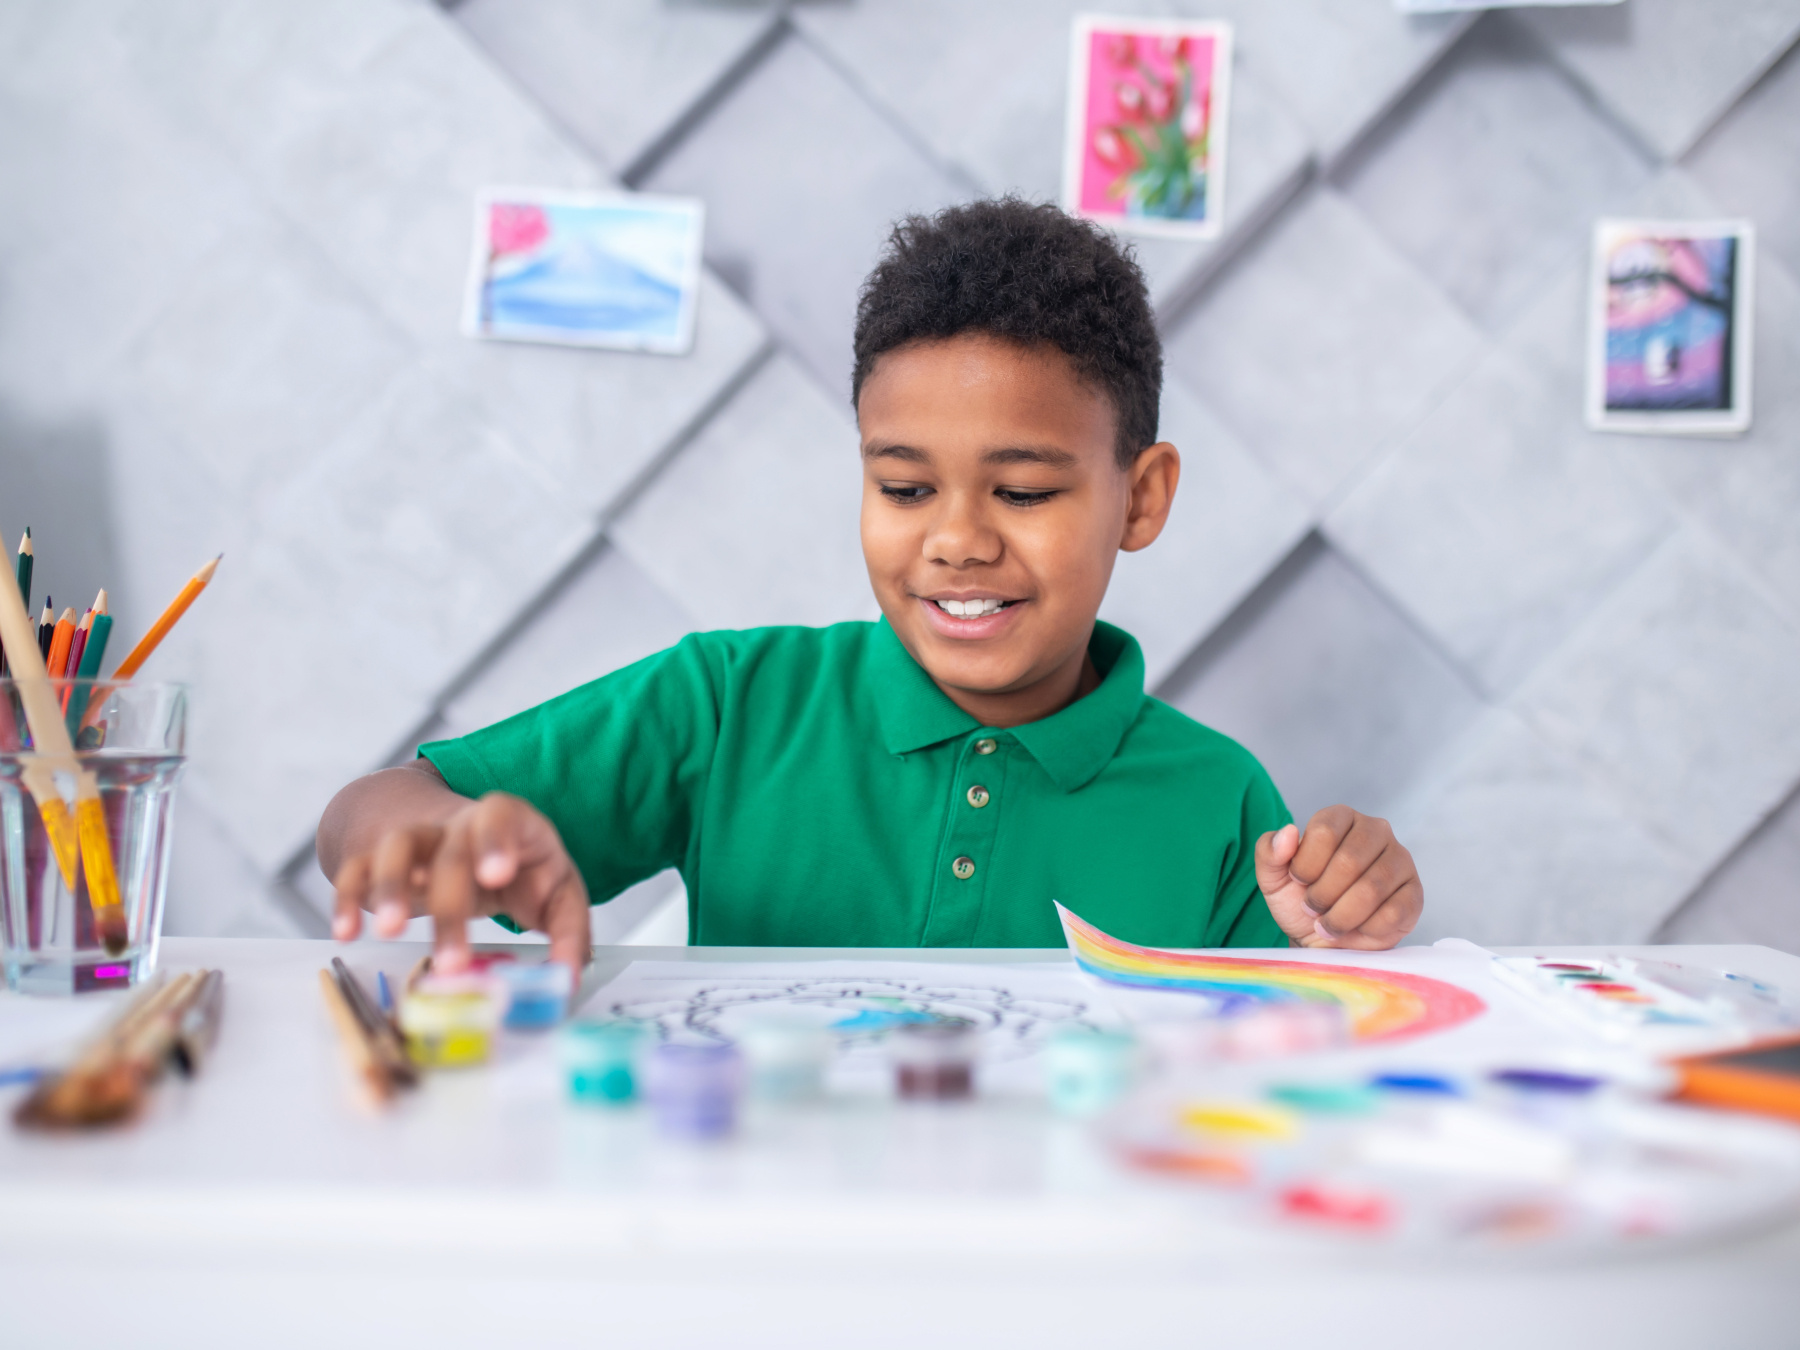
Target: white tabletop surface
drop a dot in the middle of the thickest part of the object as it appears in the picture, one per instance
(265, 1204)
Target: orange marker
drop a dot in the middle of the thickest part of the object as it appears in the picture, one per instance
(160, 629)
(62, 637)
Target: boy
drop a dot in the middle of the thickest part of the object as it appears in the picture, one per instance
(939, 777)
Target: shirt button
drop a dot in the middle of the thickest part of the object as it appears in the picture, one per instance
(978, 796)
(963, 868)
(986, 745)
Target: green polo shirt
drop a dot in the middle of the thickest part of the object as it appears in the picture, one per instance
(815, 788)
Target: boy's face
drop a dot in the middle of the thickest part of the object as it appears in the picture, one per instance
(990, 487)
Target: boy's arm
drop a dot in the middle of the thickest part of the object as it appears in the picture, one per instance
(401, 843)
(1347, 882)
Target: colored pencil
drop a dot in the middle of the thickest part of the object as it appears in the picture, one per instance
(91, 657)
(73, 663)
(78, 838)
(160, 629)
(26, 559)
(24, 574)
(46, 628)
(61, 639)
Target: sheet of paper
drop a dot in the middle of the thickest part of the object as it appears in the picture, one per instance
(1017, 1007)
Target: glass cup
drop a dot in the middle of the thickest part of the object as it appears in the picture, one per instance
(131, 738)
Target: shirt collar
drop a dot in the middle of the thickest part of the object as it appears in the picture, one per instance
(1071, 746)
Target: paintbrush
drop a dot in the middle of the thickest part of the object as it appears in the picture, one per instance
(198, 1029)
(80, 840)
(384, 1037)
(355, 1040)
(110, 1079)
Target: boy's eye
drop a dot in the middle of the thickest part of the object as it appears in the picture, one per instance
(905, 492)
(1016, 497)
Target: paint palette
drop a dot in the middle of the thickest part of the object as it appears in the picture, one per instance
(1417, 1160)
(1656, 1007)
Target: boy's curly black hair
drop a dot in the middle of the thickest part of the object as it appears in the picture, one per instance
(1028, 273)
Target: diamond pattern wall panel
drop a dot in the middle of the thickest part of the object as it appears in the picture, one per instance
(1333, 690)
(619, 76)
(1338, 65)
(1734, 162)
(1233, 521)
(606, 615)
(802, 180)
(1500, 522)
(1750, 898)
(1513, 837)
(1669, 68)
(1321, 345)
(1488, 176)
(1680, 691)
(756, 521)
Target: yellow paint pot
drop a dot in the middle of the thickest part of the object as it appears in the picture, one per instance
(449, 1022)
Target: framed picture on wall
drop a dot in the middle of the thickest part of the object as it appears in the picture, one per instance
(587, 269)
(1148, 110)
(1669, 327)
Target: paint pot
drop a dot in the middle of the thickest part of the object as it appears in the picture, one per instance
(693, 1089)
(449, 1020)
(935, 1060)
(787, 1057)
(537, 992)
(1296, 1027)
(602, 1061)
(1087, 1069)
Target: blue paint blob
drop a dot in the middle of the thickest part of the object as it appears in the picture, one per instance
(1424, 1083)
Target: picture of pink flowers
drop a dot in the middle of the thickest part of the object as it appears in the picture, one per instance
(1147, 116)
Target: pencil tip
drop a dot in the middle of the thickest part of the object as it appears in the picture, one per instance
(100, 601)
(205, 573)
(25, 543)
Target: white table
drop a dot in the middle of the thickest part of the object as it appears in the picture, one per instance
(263, 1205)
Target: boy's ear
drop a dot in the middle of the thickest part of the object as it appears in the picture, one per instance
(1153, 476)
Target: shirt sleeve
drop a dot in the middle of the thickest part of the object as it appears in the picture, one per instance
(1241, 916)
(619, 765)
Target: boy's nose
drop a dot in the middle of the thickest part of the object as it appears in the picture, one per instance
(959, 538)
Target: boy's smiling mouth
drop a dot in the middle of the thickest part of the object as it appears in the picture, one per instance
(975, 616)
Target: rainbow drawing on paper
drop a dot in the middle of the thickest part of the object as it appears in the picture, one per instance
(1382, 1005)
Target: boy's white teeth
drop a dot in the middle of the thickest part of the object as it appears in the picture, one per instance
(970, 609)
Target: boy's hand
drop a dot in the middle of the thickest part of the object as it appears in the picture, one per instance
(496, 855)
(1346, 883)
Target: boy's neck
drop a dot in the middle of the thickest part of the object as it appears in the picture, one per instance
(1075, 678)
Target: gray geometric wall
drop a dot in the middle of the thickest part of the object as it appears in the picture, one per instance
(1401, 570)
